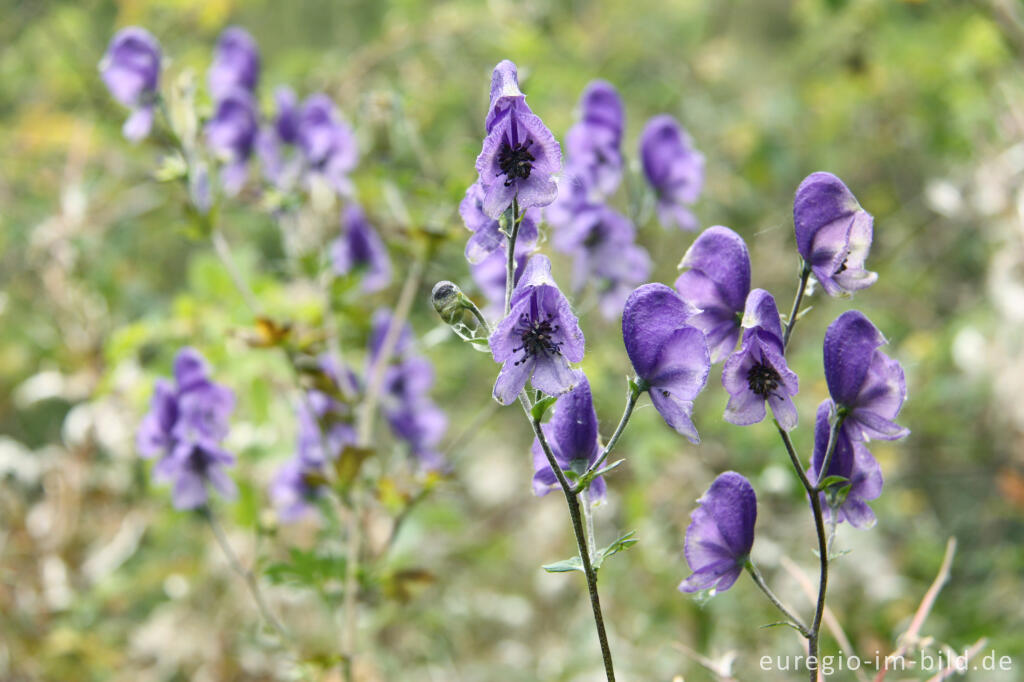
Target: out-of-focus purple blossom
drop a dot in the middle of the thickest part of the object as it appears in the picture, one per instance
(721, 534)
(292, 490)
(670, 357)
(287, 118)
(327, 142)
(281, 164)
(868, 386)
(359, 246)
(131, 70)
(717, 281)
(538, 338)
(593, 143)
(188, 419)
(833, 234)
(674, 169)
(757, 373)
(236, 63)
(411, 413)
(231, 135)
(851, 460)
(380, 323)
(489, 275)
(573, 439)
(487, 236)
(520, 155)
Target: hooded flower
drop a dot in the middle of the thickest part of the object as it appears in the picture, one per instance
(867, 386)
(670, 357)
(593, 143)
(188, 419)
(851, 460)
(539, 337)
(833, 234)
(236, 63)
(359, 246)
(573, 438)
(519, 155)
(489, 275)
(674, 169)
(327, 142)
(757, 373)
(131, 70)
(717, 281)
(410, 412)
(231, 134)
(721, 534)
(487, 236)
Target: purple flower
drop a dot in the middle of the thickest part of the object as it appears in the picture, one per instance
(231, 134)
(186, 422)
(359, 246)
(721, 534)
(413, 417)
(717, 282)
(867, 386)
(236, 63)
(327, 142)
(851, 460)
(757, 373)
(292, 490)
(487, 236)
(519, 155)
(489, 275)
(593, 143)
(674, 169)
(670, 357)
(833, 234)
(324, 427)
(131, 70)
(572, 436)
(281, 168)
(380, 323)
(539, 337)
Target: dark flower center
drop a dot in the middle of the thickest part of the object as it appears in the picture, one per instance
(515, 161)
(842, 267)
(537, 337)
(763, 379)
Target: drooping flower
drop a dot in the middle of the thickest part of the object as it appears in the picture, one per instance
(519, 155)
(410, 412)
(833, 234)
(670, 357)
(236, 63)
(717, 281)
(231, 135)
(359, 246)
(327, 142)
(131, 70)
(867, 386)
(188, 419)
(851, 460)
(757, 373)
(593, 143)
(539, 337)
(572, 436)
(721, 534)
(674, 169)
(487, 236)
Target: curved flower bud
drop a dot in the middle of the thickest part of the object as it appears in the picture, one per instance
(674, 169)
(236, 63)
(670, 357)
(359, 246)
(721, 534)
(833, 234)
(131, 70)
(867, 386)
(851, 460)
(231, 134)
(717, 281)
(573, 438)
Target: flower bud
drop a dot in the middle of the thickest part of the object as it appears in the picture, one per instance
(447, 299)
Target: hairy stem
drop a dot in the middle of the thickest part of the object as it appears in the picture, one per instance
(634, 395)
(759, 581)
(510, 261)
(791, 322)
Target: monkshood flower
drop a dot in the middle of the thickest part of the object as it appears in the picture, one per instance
(489, 275)
(231, 135)
(359, 246)
(833, 234)
(717, 281)
(538, 338)
(757, 373)
(413, 417)
(867, 386)
(573, 438)
(721, 534)
(674, 169)
(519, 155)
(281, 166)
(670, 357)
(236, 63)
(487, 236)
(851, 460)
(131, 70)
(188, 419)
(324, 427)
(380, 323)
(593, 143)
(292, 489)
(327, 142)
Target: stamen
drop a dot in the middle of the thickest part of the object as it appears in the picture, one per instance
(515, 161)
(763, 379)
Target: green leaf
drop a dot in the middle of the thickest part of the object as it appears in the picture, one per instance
(620, 545)
(541, 407)
(565, 566)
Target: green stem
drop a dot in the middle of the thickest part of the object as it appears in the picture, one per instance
(804, 274)
(631, 399)
(510, 260)
(759, 581)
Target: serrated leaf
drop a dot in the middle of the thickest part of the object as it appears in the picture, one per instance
(541, 407)
(565, 566)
